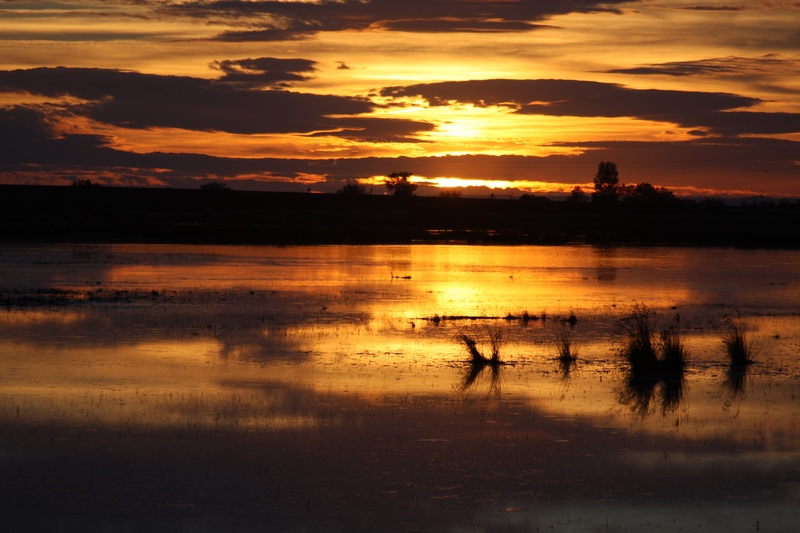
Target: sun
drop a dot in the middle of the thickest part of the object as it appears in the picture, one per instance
(462, 129)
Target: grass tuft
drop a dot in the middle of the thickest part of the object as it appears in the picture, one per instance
(476, 342)
(736, 344)
(740, 352)
(673, 351)
(566, 353)
(657, 363)
(633, 339)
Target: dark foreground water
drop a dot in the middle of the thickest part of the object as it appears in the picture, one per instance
(202, 388)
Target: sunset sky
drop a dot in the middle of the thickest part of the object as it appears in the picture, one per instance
(498, 96)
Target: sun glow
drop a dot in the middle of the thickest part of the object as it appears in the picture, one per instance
(451, 183)
(524, 185)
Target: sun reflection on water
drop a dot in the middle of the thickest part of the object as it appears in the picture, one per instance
(213, 336)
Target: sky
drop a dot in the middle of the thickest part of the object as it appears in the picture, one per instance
(482, 97)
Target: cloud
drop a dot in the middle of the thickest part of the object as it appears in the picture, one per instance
(36, 153)
(32, 146)
(721, 67)
(458, 25)
(714, 112)
(714, 8)
(379, 130)
(20, 126)
(264, 71)
(141, 101)
(278, 20)
(779, 5)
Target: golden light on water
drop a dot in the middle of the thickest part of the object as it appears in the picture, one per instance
(221, 339)
(233, 363)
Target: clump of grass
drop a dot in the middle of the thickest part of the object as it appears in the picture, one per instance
(736, 344)
(673, 351)
(740, 351)
(674, 358)
(633, 337)
(488, 339)
(567, 350)
(566, 353)
(657, 361)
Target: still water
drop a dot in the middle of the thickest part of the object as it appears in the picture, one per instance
(295, 341)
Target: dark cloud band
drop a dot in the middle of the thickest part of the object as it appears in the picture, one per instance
(141, 101)
(273, 20)
(717, 113)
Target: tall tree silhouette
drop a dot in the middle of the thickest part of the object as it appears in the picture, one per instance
(352, 189)
(397, 184)
(606, 183)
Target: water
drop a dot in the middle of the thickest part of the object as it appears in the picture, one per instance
(321, 345)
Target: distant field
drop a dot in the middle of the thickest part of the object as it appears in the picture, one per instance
(108, 214)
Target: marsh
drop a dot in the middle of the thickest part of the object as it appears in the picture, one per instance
(305, 388)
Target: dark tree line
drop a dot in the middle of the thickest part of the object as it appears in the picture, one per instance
(397, 184)
(609, 191)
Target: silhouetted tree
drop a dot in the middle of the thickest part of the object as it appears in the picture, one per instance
(451, 193)
(645, 193)
(397, 184)
(606, 183)
(530, 201)
(577, 195)
(352, 189)
(214, 186)
(85, 183)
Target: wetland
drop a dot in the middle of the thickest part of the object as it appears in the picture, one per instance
(438, 387)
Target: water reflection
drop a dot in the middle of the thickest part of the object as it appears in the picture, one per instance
(141, 386)
(489, 370)
(735, 382)
(645, 392)
(605, 269)
(332, 319)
